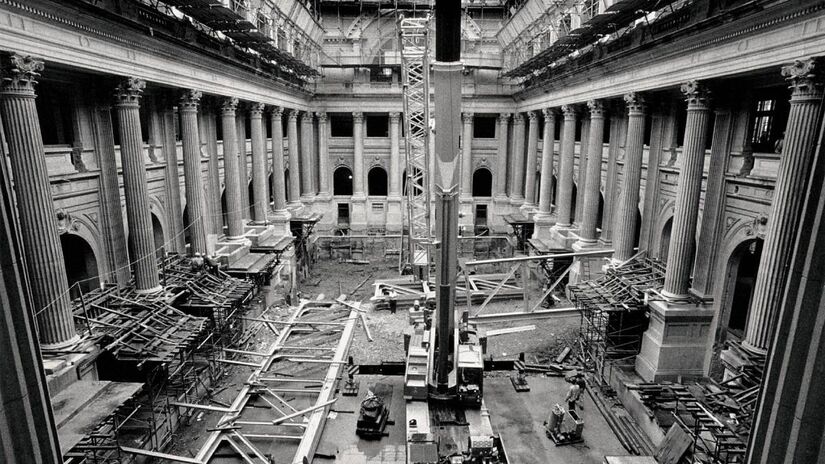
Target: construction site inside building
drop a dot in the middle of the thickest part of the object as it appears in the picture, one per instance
(432, 344)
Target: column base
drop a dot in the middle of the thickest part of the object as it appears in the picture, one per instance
(358, 218)
(501, 208)
(605, 242)
(675, 343)
(149, 291)
(563, 236)
(517, 201)
(585, 267)
(307, 199)
(230, 249)
(395, 215)
(60, 345)
(529, 210)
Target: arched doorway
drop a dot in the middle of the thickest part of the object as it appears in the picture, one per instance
(664, 244)
(342, 181)
(81, 264)
(377, 182)
(157, 233)
(482, 183)
(743, 267)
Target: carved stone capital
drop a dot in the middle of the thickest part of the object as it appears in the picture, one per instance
(395, 117)
(549, 113)
(804, 78)
(293, 115)
(357, 117)
(19, 73)
(190, 99)
(129, 91)
(276, 112)
(306, 117)
(322, 117)
(696, 94)
(256, 110)
(503, 118)
(533, 116)
(569, 111)
(229, 105)
(635, 102)
(467, 118)
(597, 108)
(518, 118)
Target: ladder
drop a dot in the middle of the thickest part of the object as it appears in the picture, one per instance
(413, 34)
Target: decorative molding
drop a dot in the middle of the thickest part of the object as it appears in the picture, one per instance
(19, 73)
(805, 78)
(129, 91)
(696, 94)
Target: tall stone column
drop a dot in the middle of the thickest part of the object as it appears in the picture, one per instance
(543, 219)
(501, 166)
(625, 217)
(259, 171)
(307, 189)
(686, 214)
(127, 104)
(115, 234)
(590, 211)
(564, 203)
(280, 215)
(324, 190)
(359, 197)
(806, 83)
(294, 163)
(214, 203)
(243, 165)
(467, 156)
(188, 108)
(35, 207)
(581, 180)
(232, 180)
(394, 215)
(518, 161)
(618, 131)
(170, 153)
(530, 168)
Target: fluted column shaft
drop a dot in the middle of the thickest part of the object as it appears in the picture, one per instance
(358, 187)
(805, 79)
(547, 148)
(243, 165)
(170, 146)
(682, 248)
(395, 156)
(590, 212)
(38, 224)
(625, 217)
(115, 235)
(617, 133)
(190, 138)
(231, 178)
(307, 189)
(581, 180)
(564, 204)
(259, 170)
(213, 200)
(532, 153)
(294, 156)
(278, 181)
(324, 190)
(467, 156)
(518, 161)
(501, 168)
(127, 104)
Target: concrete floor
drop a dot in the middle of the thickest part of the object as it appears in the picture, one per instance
(517, 417)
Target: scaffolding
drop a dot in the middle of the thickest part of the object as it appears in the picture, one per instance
(613, 313)
(413, 34)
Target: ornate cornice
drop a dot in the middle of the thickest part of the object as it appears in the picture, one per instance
(190, 99)
(696, 94)
(597, 108)
(129, 91)
(804, 78)
(256, 110)
(229, 105)
(19, 73)
(635, 102)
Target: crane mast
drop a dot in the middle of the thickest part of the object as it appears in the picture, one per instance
(414, 42)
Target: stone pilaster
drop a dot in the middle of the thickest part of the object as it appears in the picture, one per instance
(592, 184)
(35, 207)
(394, 214)
(324, 189)
(294, 157)
(518, 162)
(564, 203)
(232, 180)
(686, 214)
(543, 220)
(170, 154)
(530, 168)
(243, 165)
(465, 217)
(280, 215)
(359, 197)
(624, 218)
(259, 171)
(188, 108)
(307, 187)
(806, 83)
(115, 233)
(127, 104)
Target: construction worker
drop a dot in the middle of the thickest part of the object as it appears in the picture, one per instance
(197, 262)
(573, 393)
(393, 297)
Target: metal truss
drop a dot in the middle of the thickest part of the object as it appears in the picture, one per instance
(413, 34)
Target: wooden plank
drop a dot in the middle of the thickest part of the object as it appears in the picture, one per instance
(155, 454)
(510, 330)
(674, 446)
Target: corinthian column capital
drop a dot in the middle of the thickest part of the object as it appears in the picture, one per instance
(549, 113)
(635, 102)
(322, 117)
(569, 111)
(129, 91)
(229, 105)
(395, 117)
(597, 108)
(467, 117)
(19, 73)
(189, 99)
(357, 117)
(276, 112)
(696, 94)
(533, 116)
(256, 109)
(804, 78)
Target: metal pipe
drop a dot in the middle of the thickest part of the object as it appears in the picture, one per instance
(517, 259)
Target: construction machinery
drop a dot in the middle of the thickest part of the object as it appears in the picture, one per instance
(373, 417)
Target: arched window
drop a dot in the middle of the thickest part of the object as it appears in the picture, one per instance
(377, 182)
(157, 233)
(342, 181)
(81, 264)
(482, 183)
